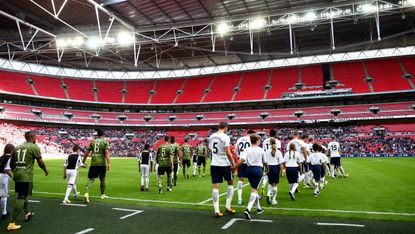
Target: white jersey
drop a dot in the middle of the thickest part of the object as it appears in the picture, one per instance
(242, 144)
(266, 145)
(274, 160)
(217, 144)
(293, 160)
(310, 148)
(298, 145)
(334, 148)
(254, 156)
(316, 158)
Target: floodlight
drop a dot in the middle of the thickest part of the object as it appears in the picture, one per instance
(367, 8)
(77, 41)
(125, 38)
(95, 42)
(223, 28)
(110, 40)
(257, 23)
(310, 16)
(61, 43)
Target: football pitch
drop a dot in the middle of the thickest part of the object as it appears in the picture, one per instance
(377, 196)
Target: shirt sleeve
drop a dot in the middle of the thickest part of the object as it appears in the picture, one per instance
(80, 163)
(65, 163)
(36, 152)
(264, 158)
(227, 141)
(7, 167)
(90, 147)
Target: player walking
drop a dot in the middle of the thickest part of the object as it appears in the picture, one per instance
(301, 149)
(317, 162)
(165, 163)
(5, 176)
(222, 163)
(99, 151)
(70, 171)
(292, 163)
(144, 160)
(201, 152)
(266, 145)
(186, 152)
(175, 148)
(254, 157)
(242, 144)
(274, 159)
(22, 163)
(335, 157)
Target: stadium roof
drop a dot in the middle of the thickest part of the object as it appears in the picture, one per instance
(140, 35)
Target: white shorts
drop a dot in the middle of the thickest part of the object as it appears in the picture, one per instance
(145, 170)
(4, 185)
(71, 175)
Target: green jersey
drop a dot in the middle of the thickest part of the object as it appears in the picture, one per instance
(175, 147)
(23, 158)
(98, 147)
(201, 150)
(187, 151)
(163, 155)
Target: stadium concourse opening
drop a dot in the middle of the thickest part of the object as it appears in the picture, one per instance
(205, 116)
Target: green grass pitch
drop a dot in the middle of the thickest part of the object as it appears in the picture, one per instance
(384, 185)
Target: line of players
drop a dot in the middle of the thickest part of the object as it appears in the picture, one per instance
(304, 161)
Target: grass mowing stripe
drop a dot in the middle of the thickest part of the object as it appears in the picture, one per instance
(266, 208)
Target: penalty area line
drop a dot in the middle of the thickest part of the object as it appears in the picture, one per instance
(341, 224)
(85, 231)
(266, 208)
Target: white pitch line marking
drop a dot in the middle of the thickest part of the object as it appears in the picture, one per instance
(232, 221)
(81, 205)
(85, 231)
(221, 195)
(341, 224)
(266, 208)
(129, 210)
(34, 201)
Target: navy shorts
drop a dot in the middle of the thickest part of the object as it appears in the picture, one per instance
(218, 174)
(242, 171)
(254, 176)
(292, 174)
(323, 171)
(335, 161)
(316, 169)
(274, 174)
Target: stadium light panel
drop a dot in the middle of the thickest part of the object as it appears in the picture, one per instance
(257, 23)
(367, 8)
(95, 42)
(223, 28)
(310, 16)
(61, 43)
(77, 42)
(125, 38)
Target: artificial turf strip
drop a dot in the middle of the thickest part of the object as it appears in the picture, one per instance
(375, 184)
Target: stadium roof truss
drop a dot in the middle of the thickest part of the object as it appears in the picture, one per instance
(174, 34)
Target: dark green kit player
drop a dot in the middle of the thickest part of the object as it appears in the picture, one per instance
(100, 162)
(201, 152)
(175, 148)
(22, 163)
(165, 161)
(186, 150)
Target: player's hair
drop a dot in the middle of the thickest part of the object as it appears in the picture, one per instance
(172, 139)
(292, 149)
(166, 138)
(75, 148)
(296, 133)
(100, 132)
(305, 136)
(29, 135)
(186, 140)
(254, 138)
(333, 137)
(250, 131)
(146, 146)
(310, 139)
(272, 133)
(273, 143)
(316, 147)
(222, 125)
(8, 149)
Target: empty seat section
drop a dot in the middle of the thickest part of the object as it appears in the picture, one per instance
(222, 87)
(252, 85)
(193, 89)
(138, 91)
(409, 63)
(281, 81)
(166, 90)
(352, 76)
(109, 91)
(80, 89)
(48, 86)
(312, 75)
(387, 75)
(14, 82)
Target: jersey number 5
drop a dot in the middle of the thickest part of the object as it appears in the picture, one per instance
(215, 147)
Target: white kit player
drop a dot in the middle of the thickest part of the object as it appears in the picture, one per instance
(144, 160)
(72, 163)
(242, 144)
(221, 167)
(266, 145)
(301, 148)
(335, 157)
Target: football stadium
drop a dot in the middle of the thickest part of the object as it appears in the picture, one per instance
(196, 116)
